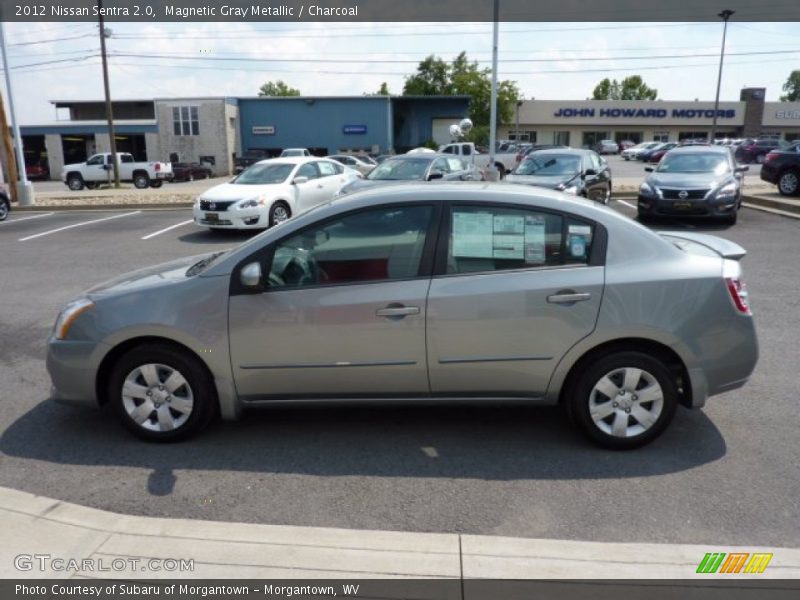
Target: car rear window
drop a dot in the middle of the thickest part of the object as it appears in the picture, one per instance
(496, 239)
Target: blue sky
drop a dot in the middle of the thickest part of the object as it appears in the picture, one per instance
(557, 61)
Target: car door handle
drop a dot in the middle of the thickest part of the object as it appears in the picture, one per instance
(397, 311)
(568, 297)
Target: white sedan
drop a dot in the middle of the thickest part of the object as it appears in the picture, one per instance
(270, 192)
(363, 164)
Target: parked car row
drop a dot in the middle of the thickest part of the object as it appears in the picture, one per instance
(782, 167)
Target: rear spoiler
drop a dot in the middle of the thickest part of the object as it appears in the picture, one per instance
(725, 248)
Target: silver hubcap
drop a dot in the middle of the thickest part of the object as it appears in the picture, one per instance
(3, 210)
(626, 402)
(788, 183)
(157, 397)
(280, 214)
(75, 184)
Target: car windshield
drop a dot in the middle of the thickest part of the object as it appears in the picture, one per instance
(400, 169)
(549, 164)
(264, 174)
(694, 163)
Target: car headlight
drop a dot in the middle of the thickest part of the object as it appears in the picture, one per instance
(67, 316)
(727, 190)
(649, 190)
(250, 203)
(573, 189)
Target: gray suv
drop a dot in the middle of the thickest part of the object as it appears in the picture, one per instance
(434, 293)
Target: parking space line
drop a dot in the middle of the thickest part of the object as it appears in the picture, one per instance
(26, 218)
(37, 235)
(628, 204)
(160, 231)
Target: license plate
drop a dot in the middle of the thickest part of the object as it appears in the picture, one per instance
(682, 205)
(214, 217)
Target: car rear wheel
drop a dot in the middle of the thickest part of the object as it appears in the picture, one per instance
(4, 209)
(190, 177)
(162, 394)
(278, 213)
(624, 400)
(75, 183)
(141, 181)
(789, 183)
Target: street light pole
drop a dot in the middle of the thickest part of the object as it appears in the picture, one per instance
(493, 108)
(516, 130)
(724, 15)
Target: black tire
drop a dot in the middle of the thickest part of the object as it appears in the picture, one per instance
(156, 184)
(190, 177)
(612, 366)
(732, 218)
(275, 213)
(75, 183)
(141, 181)
(5, 208)
(198, 382)
(644, 217)
(789, 183)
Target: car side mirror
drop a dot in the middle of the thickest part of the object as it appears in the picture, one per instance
(649, 169)
(741, 169)
(250, 275)
(590, 172)
(300, 179)
(435, 175)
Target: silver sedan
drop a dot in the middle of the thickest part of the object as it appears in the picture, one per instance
(456, 291)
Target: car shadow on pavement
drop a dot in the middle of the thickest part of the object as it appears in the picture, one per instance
(223, 236)
(491, 443)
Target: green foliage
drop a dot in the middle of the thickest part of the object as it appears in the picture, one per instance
(630, 88)
(792, 88)
(435, 77)
(277, 88)
(430, 144)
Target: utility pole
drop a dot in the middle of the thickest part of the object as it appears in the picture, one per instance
(24, 191)
(109, 113)
(8, 148)
(492, 170)
(724, 15)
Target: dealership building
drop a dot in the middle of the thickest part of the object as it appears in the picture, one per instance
(584, 123)
(214, 130)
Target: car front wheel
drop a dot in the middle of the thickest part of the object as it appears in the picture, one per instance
(624, 400)
(278, 213)
(162, 394)
(75, 183)
(4, 208)
(789, 183)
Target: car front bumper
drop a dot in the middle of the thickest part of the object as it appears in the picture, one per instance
(72, 367)
(686, 208)
(249, 218)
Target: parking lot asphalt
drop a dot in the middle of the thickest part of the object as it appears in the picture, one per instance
(727, 474)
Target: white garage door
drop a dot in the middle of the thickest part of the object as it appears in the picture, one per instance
(441, 129)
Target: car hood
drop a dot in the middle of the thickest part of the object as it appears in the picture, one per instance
(157, 275)
(698, 181)
(547, 181)
(232, 191)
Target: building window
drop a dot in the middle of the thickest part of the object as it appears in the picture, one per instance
(633, 136)
(561, 138)
(590, 138)
(185, 120)
(660, 136)
(692, 135)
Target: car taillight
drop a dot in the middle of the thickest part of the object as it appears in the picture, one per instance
(158, 166)
(770, 156)
(738, 291)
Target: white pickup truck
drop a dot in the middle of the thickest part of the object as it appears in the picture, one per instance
(505, 162)
(98, 169)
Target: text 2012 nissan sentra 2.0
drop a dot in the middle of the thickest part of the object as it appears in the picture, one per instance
(457, 291)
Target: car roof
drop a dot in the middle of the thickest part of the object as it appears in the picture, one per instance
(574, 151)
(700, 149)
(295, 160)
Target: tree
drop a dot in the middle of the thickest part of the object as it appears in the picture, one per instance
(630, 88)
(383, 91)
(792, 88)
(461, 77)
(277, 88)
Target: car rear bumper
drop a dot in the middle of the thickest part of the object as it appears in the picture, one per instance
(769, 173)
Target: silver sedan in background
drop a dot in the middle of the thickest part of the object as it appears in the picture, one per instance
(421, 293)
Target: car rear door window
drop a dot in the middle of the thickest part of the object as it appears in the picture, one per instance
(499, 238)
(308, 170)
(326, 169)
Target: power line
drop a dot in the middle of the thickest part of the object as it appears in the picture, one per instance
(48, 41)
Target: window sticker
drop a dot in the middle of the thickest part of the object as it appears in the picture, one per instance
(534, 240)
(577, 246)
(509, 236)
(473, 234)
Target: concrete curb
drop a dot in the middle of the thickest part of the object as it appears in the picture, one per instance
(37, 525)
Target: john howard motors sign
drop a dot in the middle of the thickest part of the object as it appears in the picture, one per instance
(647, 113)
